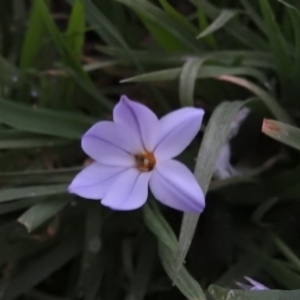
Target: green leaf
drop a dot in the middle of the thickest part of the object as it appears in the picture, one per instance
(103, 26)
(163, 37)
(9, 194)
(69, 58)
(215, 137)
(169, 9)
(42, 212)
(106, 29)
(167, 244)
(282, 132)
(203, 24)
(268, 100)
(31, 177)
(43, 121)
(42, 266)
(8, 207)
(224, 17)
(60, 42)
(76, 29)
(152, 58)
(160, 17)
(279, 271)
(253, 14)
(187, 81)
(159, 226)
(277, 42)
(287, 252)
(33, 37)
(204, 72)
(92, 262)
(10, 139)
(89, 88)
(294, 13)
(219, 293)
(145, 262)
(237, 29)
(184, 281)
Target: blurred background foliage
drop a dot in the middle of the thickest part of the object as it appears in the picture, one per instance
(63, 66)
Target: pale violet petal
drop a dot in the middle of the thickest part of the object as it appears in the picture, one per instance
(94, 180)
(129, 191)
(176, 131)
(173, 184)
(140, 119)
(107, 143)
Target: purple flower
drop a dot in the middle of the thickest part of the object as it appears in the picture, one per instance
(135, 151)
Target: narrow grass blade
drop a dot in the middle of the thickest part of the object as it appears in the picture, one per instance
(14, 139)
(256, 18)
(160, 227)
(106, 29)
(187, 81)
(279, 271)
(90, 89)
(257, 59)
(69, 58)
(32, 177)
(167, 244)
(277, 42)
(44, 265)
(237, 29)
(224, 17)
(214, 139)
(34, 35)
(9, 207)
(42, 212)
(76, 28)
(162, 36)
(269, 101)
(203, 24)
(10, 194)
(282, 132)
(43, 121)
(172, 12)
(145, 262)
(160, 17)
(62, 46)
(204, 72)
(287, 252)
(92, 262)
(184, 281)
(294, 14)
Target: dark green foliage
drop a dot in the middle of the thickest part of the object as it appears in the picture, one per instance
(63, 66)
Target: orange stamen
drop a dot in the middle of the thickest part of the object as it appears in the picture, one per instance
(145, 161)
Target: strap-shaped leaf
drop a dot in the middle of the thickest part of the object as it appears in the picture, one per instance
(224, 17)
(282, 132)
(187, 81)
(214, 138)
(275, 108)
(42, 120)
(42, 212)
(167, 244)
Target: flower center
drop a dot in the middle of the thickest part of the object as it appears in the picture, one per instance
(145, 161)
